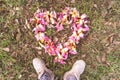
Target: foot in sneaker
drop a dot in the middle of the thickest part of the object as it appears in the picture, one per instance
(76, 71)
(42, 71)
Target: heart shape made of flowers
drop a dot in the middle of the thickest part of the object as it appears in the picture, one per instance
(50, 19)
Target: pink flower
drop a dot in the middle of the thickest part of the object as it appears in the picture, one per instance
(39, 15)
(64, 51)
(39, 28)
(65, 55)
(80, 25)
(42, 28)
(74, 12)
(59, 60)
(59, 46)
(40, 36)
(47, 40)
(60, 16)
(36, 30)
(53, 16)
(73, 51)
(86, 28)
(74, 28)
(75, 37)
(32, 20)
(59, 27)
(83, 16)
(51, 19)
(43, 22)
(72, 38)
(50, 49)
(80, 33)
(66, 11)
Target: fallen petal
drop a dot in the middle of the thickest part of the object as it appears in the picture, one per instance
(83, 16)
(6, 49)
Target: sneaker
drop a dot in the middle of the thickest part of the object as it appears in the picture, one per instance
(43, 72)
(76, 71)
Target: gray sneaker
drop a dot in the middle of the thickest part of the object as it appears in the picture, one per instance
(76, 71)
(43, 72)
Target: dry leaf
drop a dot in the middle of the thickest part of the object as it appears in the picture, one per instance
(39, 48)
(95, 5)
(18, 36)
(27, 25)
(111, 39)
(6, 49)
(39, 52)
(111, 3)
(109, 49)
(103, 58)
(20, 76)
(98, 59)
(83, 56)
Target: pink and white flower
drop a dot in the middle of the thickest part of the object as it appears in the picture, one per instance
(44, 20)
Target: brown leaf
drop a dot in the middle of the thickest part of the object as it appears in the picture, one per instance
(95, 5)
(39, 48)
(83, 56)
(39, 52)
(116, 42)
(98, 59)
(18, 36)
(111, 3)
(6, 49)
(27, 25)
(109, 49)
(111, 39)
(103, 59)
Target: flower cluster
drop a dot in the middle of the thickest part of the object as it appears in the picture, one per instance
(50, 19)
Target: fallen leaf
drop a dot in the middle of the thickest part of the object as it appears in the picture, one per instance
(27, 25)
(109, 49)
(95, 5)
(20, 76)
(39, 52)
(18, 36)
(98, 59)
(111, 3)
(103, 59)
(111, 39)
(83, 56)
(17, 8)
(39, 48)
(6, 49)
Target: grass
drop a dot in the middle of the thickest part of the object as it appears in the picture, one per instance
(100, 49)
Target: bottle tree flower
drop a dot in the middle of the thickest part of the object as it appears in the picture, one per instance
(44, 20)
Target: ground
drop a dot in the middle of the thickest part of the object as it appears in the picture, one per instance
(100, 49)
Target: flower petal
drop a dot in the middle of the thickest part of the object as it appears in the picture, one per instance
(83, 16)
(59, 27)
(73, 51)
